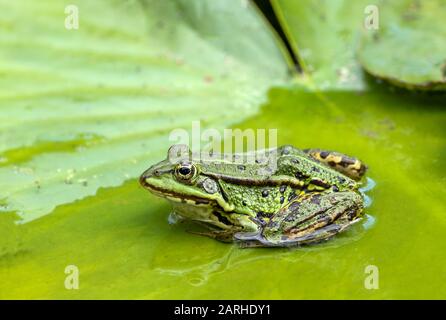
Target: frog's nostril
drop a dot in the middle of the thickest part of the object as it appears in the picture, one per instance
(157, 172)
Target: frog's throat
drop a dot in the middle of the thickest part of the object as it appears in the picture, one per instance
(189, 199)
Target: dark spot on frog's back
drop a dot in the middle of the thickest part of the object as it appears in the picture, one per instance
(324, 154)
(320, 183)
(300, 175)
(241, 167)
(282, 188)
(265, 193)
(341, 179)
(346, 161)
(282, 199)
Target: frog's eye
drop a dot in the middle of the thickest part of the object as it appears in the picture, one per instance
(185, 171)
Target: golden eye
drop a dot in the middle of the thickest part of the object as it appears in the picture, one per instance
(185, 171)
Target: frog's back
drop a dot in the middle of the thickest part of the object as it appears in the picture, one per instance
(266, 166)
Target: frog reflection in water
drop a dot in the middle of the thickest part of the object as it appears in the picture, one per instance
(307, 195)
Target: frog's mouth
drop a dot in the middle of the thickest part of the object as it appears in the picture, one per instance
(176, 197)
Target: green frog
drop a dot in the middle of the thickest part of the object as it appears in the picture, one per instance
(272, 198)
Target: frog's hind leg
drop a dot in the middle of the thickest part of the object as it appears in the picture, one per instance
(315, 218)
(324, 233)
(350, 166)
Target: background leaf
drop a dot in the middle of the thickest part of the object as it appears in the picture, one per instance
(333, 44)
(409, 48)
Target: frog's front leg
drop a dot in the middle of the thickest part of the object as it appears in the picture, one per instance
(234, 223)
(350, 166)
(311, 218)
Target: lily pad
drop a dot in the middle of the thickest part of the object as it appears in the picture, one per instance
(335, 41)
(91, 107)
(409, 48)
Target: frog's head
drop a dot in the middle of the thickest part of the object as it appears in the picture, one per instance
(183, 183)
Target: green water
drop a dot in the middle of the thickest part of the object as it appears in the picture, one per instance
(124, 247)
